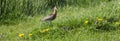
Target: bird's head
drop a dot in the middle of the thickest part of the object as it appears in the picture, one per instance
(55, 8)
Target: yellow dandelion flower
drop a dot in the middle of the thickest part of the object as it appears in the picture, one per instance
(45, 30)
(30, 35)
(117, 23)
(99, 19)
(21, 35)
(42, 31)
(86, 22)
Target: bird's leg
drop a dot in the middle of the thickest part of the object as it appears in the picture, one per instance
(50, 24)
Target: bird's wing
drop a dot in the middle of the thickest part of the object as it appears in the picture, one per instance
(47, 18)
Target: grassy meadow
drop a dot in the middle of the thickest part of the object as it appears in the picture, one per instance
(77, 20)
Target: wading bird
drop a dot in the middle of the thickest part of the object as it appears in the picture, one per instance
(52, 16)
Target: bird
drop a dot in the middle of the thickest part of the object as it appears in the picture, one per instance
(52, 16)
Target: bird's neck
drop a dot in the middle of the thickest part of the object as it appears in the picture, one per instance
(54, 12)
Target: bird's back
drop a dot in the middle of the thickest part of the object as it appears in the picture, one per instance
(49, 17)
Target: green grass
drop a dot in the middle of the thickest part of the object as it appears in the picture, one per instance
(69, 25)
